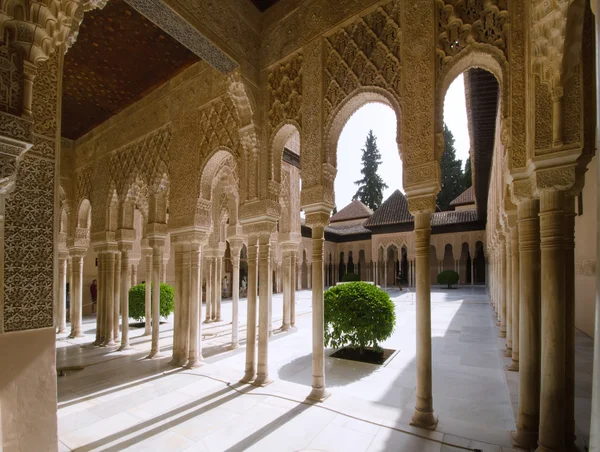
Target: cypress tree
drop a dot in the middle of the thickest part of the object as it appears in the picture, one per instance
(371, 186)
(451, 171)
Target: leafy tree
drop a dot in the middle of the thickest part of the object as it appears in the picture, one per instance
(137, 301)
(448, 277)
(451, 171)
(371, 186)
(334, 211)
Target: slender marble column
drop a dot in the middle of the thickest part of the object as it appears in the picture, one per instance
(214, 288)
(569, 246)
(270, 298)
(595, 419)
(117, 296)
(208, 301)
(235, 294)
(100, 301)
(148, 301)
(385, 278)
(181, 302)
(219, 288)
(319, 391)
(508, 296)
(293, 291)
(264, 262)
(287, 289)
(157, 245)
(423, 416)
(125, 286)
(62, 295)
(109, 340)
(250, 373)
(134, 276)
(472, 271)
(76, 294)
(502, 288)
(552, 400)
(195, 307)
(529, 325)
(514, 241)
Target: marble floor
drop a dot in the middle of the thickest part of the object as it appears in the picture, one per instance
(122, 401)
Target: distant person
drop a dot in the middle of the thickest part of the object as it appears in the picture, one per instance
(94, 294)
(68, 297)
(225, 286)
(399, 281)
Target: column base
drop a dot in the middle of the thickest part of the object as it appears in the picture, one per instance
(285, 327)
(61, 330)
(234, 346)
(109, 343)
(147, 333)
(178, 361)
(155, 355)
(218, 319)
(75, 335)
(513, 367)
(424, 419)
(125, 347)
(262, 381)
(524, 439)
(508, 353)
(248, 378)
(318, 394)
(502, 334)
(194, 363)
(208, 321)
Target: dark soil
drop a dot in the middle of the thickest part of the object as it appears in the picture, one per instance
(370, 355)
(141, 324)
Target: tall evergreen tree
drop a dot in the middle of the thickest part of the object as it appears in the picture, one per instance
(451, 171)
(371, 186)
(467, 176)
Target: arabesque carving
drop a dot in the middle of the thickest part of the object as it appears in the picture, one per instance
(285, 92)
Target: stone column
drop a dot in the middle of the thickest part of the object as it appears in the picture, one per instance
(287, 288)
(76, 292)
(595, 419)
(501, 286)
(100, 301)
(62, 293)
(375, 274)
(117, 296)
(270, 294)
(508, 295)
(250, 372)
(317, 219)
(148, 301)
(195, 303)
(109, 285)
(529, 324)
(569, 261)
(423, 416)
(472, 271)
(125, 247)
(209, 286)
(385, 278)
(514, 241)
(264, 262)
(157, 242)
(219, 287)
(293, 291)
(552, 401)
(180, 323)
(235, 247)
(134, 276)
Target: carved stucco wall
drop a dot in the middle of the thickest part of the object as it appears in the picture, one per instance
(29, 228)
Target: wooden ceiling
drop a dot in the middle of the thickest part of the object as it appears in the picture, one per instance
(262, 5)
(484, 91)
(118, 58)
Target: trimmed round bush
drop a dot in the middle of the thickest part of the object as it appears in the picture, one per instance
(359, 315)
(137, 301)
(448, 277)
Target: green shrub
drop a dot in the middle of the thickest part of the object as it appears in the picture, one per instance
(358, 314)
(348, 277)
(448, 277)
(137, 301)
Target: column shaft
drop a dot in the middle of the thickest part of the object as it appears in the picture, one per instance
(423, 416)
(508, 296)
(157, 252)
(109, 284)
(514, 241)
(529, 325)
(148, 304)
(76, 296)
(319, 391)
(62, 295)
(235, 297)
(179, 358)
(100, 301)
(287, 289)
(570, 319)
(117, 296)
(195, 307)
(125, 286)
(219, 289)
(209, 298)
(250, 372)
(264, 262)
(502, 288)
(293, 291)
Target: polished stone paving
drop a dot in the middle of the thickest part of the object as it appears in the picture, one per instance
(122, 401)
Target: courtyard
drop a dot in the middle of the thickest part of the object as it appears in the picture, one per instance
(122, 401)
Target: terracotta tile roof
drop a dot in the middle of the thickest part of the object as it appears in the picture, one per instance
(393, 211)
(353, 211)
(466, 197)
(453, 217)
(347, 230)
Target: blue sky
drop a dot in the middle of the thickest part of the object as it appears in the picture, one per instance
(382, 120)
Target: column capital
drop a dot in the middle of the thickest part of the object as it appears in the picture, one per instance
(421, 203)
(105, 247)
(125, 236)
(77, 252)
(318, 215)
(235, 244)
(192, 236)
(259, 228)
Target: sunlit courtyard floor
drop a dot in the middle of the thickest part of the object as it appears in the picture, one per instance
(121, 401)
